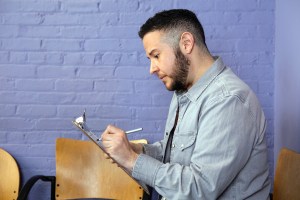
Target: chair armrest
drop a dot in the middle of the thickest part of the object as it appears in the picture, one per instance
(30, 183)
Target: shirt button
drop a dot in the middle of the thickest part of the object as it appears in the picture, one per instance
(167, 133)
(173, 145)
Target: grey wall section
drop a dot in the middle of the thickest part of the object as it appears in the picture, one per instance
(287, 76)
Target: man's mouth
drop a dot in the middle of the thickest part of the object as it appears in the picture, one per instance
(161, 77)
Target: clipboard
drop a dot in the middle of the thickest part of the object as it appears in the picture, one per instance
(80, 122)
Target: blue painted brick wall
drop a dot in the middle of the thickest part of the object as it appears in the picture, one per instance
(59, 57)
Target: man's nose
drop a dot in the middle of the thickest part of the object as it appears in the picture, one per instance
(153, 67)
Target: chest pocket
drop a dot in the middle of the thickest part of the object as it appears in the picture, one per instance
(183, 141)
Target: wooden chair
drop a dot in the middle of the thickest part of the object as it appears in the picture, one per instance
(82, 171)
(10, 176)
(287, 176)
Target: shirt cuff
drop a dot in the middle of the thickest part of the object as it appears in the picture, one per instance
(145, 169)
(153, 150)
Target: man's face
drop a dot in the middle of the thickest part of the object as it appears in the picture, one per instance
(170, 67)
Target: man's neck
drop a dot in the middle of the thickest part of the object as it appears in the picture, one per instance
(200, 63)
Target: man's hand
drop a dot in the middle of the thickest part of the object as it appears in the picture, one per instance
(116, 144)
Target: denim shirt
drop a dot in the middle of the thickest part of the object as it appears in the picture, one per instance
(218, 149)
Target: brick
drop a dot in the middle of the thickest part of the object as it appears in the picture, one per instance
(37, 163)
(16, 124)
(62, 45)
(74, 85)
(29, 6)
(7, 83)
(155, 86)
(36, 57)
(44, 58)
(162, 99)
(119, 32)
(22, 18)
(114, 112)
(126, 72)
(80, 6)
(21, 44)
(232, 32)
(196, 5)
(55, 72)
(16, 71)
(54, 58)
(111, 58)
(4, 57)
(129, 58)
(136, 18)
(254, 45)
(56, 98)
(94, 98)
(72, 111)
(116, 86)
(18, 57)
(101, 44)
(236, 5)
(34, 85)
(60, 19)
(259, 73)
(33, 137)
(39, 31)
(221, 45)
(8, 30)
(117, 6)
(7, 110)
(82, 58)
(155, 6)
(50, 124)
(95, 72)
(80, 32)
(36, 111)
(98, 19)
(3, 136)
(131, 99)
(131, 45)
(266, 87)
(257, 17)
(19, 97)
(219, 18)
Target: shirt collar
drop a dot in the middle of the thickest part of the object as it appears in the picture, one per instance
(197, 89)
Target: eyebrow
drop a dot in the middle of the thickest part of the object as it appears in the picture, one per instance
(151, 52)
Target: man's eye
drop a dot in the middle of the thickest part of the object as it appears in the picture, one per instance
(156, 56)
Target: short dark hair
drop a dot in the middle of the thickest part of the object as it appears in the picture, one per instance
(175, 20)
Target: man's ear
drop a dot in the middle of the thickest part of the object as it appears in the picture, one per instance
(187, 42)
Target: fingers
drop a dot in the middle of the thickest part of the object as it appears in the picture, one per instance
(106, 156)
(111, 132)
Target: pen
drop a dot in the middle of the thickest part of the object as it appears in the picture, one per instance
(134, 130)
(127, 132)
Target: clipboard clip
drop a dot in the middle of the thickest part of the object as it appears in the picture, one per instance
(81, 120)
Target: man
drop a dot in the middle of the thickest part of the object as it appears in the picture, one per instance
(214, 145)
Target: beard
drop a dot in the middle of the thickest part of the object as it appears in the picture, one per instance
(180, 73)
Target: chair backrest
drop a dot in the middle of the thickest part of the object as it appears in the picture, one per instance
(82, 171)
(287, 176)
(10, 176)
